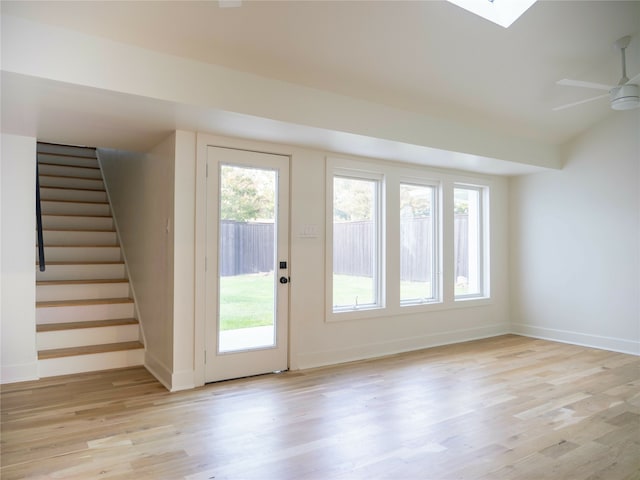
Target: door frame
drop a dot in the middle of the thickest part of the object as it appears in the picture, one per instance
(203, 142)
(226, 365)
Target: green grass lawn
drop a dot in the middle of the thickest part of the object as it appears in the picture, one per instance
(247, 300)
(347, 287)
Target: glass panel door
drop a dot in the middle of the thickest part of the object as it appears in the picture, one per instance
(247, 265)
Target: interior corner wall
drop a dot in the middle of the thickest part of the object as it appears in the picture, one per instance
(140, 188)
(575, 242)
(17, 259)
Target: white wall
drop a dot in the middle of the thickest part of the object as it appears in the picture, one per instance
(575, 242)
(153, 199)
(17, 259)
(316, 342)
(141, 192)
(313, 340)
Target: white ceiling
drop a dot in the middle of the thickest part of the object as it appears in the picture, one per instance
(423, 56)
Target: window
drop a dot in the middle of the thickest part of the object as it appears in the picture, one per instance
(356, 243)
(468, 248)
(403, 241)
(418, 244)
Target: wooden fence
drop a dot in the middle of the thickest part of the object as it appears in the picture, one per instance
(246, 248)
(249, 248)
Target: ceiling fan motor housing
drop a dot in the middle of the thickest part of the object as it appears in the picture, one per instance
(625, 97)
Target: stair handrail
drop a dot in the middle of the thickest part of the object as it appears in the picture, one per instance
(41, 261)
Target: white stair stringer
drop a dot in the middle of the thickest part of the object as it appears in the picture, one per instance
(85, 316)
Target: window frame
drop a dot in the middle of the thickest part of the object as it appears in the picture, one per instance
(436, 229)
(483, 242)
(379, 270)
(392, 174)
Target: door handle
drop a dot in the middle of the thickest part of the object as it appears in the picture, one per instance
(284, 280)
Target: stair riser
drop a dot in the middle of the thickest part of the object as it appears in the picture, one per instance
(68, 182)
(76, 222)
(76, 195)
(64, 170)
(48, 315)
(81, 272)
(87, 336)
(45, 293)
(90, 363)
(57, 237)
(68, 208)
(81, 254)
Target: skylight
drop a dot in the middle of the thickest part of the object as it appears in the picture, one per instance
(502, 12)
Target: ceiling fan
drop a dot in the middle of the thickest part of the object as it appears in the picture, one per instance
(623, 96)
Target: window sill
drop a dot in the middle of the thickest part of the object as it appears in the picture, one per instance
(371, 313)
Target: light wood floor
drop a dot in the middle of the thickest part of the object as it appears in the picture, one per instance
(504, 408)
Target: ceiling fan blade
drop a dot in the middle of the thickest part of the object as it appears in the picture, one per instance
(633, 79)
(569, 105)
(567, 82)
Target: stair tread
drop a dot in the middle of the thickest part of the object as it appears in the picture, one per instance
(74, 230)
(88, 350)
(85, 263)
(77, 303)
(58, 154)
(81, 282)
(54, 327)
(74, 188)
(74, 215)
(57, 175)
(92, 202)
(66, 165)
(72, 245)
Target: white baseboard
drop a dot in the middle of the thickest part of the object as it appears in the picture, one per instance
(362, 352)
(173, 382)
(19, 373)
(182, 380)
(158, 370)
(576, 338)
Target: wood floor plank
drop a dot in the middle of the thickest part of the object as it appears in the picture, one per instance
(509, 407)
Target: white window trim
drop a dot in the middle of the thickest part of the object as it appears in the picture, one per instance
(436, 212)
(484, 261)
(393, 174)
(357, 171)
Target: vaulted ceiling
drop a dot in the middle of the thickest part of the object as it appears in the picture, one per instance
(422, 56)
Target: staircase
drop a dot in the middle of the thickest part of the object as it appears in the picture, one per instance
(85, 318)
